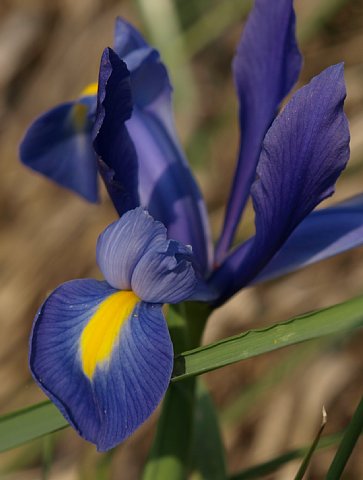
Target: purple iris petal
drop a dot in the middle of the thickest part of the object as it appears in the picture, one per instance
(121, 246)
(107, 405)
(320, 235)
(58, 145)
(149, 77)
(166, 186)
(117, 156)
(165, 273)
(126, 38)
(266, 66)
(303, 154)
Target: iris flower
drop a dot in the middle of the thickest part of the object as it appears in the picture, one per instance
(101, 350)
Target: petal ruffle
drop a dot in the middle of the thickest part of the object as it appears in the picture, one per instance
(123, 243)
(58, 145)
(266, 66)
(165, 273)
(304, 152)
(103, 357)
(134, 253)
(320, 235)
(117, 157)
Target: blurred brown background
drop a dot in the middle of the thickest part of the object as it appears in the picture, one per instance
(48, 52)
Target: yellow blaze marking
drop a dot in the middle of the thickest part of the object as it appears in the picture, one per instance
(79, 116)
(102, 331)
(91, 89)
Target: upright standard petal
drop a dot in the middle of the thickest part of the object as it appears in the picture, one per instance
(103, 357)
(304, 152)
(117, 157)
(58, 145)
(166, 186)
(321, 235)
(266, 66)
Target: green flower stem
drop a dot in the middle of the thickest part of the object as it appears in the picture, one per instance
(208, 456)
(170, 453)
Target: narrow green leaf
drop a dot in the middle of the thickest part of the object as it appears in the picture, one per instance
(211, 25)
(339, 318)
(208, 459)
(350, 438)
(29, 423)
(304, 466)
(273, 465)
(162, 35)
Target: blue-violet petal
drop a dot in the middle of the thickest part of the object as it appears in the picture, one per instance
(122, 244)
(103, 357)
(304, 152)
(58, 145)
(322, 234)
(266, 66)
(117, 157)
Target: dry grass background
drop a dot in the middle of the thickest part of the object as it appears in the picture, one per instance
(48, 52)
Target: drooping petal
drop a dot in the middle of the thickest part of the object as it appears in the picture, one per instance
(117, 157)
(303, 154)
(122, 244)
(320, 235)
(58, 145)
(166, 186)
(266, 66)
(103, 357)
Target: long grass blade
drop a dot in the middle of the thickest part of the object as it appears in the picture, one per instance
(340, 318)
(350, 438)
(29, 423)
(304, 466)
(271, 466)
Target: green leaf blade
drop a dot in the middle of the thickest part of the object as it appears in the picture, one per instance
(271, 466)
(28, 424)
(340, 318)
(309, 454)
(350, 438)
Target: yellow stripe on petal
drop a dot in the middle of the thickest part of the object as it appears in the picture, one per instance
(91, 89)
(79, 116)
(102, 331)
